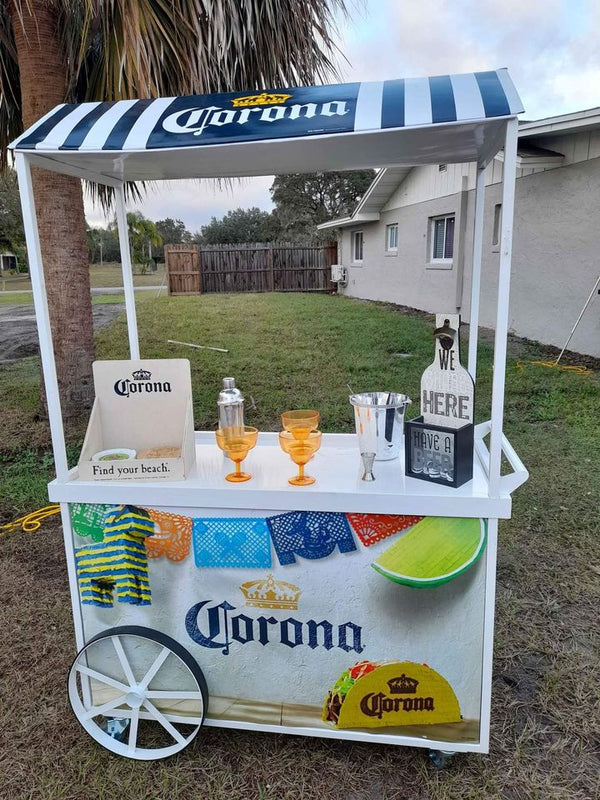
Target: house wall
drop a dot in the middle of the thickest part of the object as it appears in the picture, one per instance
(555, 246)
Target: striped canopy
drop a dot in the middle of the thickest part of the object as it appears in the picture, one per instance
(448, 118)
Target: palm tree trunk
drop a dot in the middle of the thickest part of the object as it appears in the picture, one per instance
(59, 203)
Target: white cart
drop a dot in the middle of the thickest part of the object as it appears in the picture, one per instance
(258, 649)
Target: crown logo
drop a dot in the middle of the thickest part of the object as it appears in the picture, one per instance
(403, 685)
(142, 375)
(263, 99)
(269, 593)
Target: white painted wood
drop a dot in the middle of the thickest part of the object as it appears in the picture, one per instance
(72, 573)
(127, 269)
(499, 377)
(40, 300)
(48, 163)
(447, 389)
(351, 735)
(339, 487)
(476, 273)
(460, 237)
(488, 635)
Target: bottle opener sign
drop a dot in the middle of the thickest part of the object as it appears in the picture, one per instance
(447, 389)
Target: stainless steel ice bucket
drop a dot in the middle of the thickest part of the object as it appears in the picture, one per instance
(379, 418)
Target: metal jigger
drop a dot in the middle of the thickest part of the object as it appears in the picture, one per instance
(368, 459)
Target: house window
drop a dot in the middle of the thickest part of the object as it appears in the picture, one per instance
(442, 239)
(357, 246)
(497, 225)
(391, 238)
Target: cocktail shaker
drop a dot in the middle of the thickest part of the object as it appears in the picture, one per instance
(230, 405)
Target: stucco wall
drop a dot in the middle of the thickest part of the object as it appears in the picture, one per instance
(556, 257)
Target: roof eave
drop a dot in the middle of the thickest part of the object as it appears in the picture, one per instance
(528, 162)
(566, 122)
(347, 222)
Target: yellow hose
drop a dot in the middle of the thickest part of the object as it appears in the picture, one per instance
(553, 365)
(32, 521)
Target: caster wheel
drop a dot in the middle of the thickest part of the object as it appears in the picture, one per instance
(138, 693)
(441, 759)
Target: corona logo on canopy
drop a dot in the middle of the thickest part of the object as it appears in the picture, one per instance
(197, 120)
(387, 695)
(262, 99)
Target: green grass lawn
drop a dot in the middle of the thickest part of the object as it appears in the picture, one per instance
(107, 275)
(26, 298)
(304, 350)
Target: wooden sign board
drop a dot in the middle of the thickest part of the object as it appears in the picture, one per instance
(141, 405)
(447, 389)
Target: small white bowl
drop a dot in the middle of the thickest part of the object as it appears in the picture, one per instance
(115, 454)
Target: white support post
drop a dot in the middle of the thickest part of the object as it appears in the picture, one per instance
(40, 300)
(488, 634)
(134, 347)
(72, 572)
(508, 208)
(476, 271)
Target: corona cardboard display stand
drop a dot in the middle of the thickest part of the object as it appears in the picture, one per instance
(256, 605)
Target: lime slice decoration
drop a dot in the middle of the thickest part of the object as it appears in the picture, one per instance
(434, 551)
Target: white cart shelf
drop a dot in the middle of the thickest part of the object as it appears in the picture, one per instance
(339, 486)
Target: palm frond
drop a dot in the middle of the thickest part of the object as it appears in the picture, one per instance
(121, 49)
(149, 48)
(11, 123)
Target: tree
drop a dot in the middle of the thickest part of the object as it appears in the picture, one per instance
(103, 244)
(11, 222)
(55, 51)
(172, 231)
(240, 225)
(303, 201)
(143, 236)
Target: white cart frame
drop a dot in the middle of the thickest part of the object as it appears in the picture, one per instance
(471, 136)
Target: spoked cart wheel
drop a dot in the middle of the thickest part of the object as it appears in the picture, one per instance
(138, 692)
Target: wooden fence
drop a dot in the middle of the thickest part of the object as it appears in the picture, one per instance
(273, 267)
(183, 269)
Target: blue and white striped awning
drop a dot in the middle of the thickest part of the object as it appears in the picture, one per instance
(447, 118)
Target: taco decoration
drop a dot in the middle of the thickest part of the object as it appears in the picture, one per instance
(379, 695)
(434, 551)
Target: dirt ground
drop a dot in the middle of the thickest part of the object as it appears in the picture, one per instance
(18, 329)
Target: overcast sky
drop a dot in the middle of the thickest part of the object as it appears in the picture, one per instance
(551, 48)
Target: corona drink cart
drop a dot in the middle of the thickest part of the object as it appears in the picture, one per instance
(346, 609)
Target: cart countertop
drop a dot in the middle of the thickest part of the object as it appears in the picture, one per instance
(337, 468)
